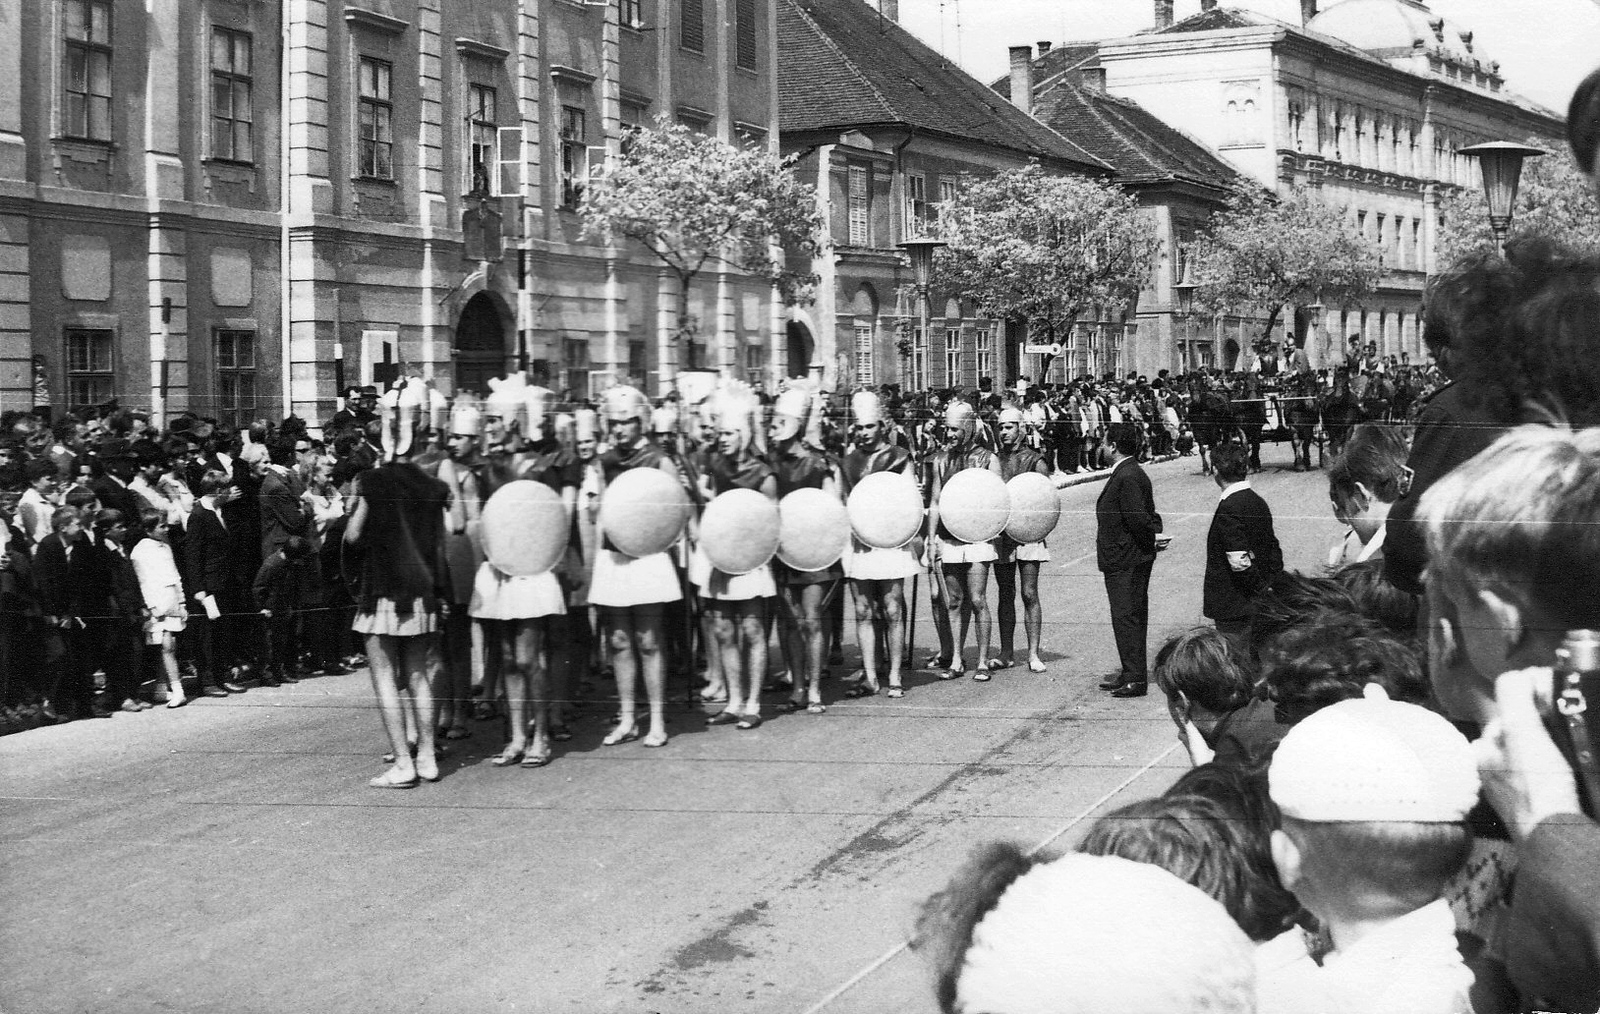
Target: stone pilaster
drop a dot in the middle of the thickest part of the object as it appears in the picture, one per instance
(171, 354)
(306, 132)
(16, 318)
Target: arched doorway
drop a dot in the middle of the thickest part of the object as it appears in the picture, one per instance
(480, 349)
(1230, 355)
(801, 346)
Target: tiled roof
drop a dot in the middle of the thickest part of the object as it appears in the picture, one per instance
(1143, 148)
(1216, 19)
(841, 65)
(1049, 68)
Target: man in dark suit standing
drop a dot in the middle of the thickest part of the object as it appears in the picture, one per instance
(72, 591)
(1125, 545)
(1242, 552)
(212, 578)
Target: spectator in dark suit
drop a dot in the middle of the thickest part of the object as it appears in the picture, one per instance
(120, 627)
(283, 511)
(211, 575)
(111, 486)
(1242, 552)
(70, 587)
(1125, 547)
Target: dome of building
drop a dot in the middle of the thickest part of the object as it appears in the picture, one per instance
(1395, 27)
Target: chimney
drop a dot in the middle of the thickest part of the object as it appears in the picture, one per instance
(1044, 48)
(1164, 13)
(1308, 10)
(1093, 80)
(890, 9)
(1208, 5)
(1022, 78)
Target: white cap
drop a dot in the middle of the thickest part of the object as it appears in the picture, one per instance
(465, 417)
(1011, 414)
(1374, 759)
(865, 408)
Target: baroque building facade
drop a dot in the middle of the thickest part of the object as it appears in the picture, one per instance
(239, 207)
(1371, 101)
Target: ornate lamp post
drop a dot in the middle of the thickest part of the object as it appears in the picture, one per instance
(921, 253)
(1501, 165)
(1185, 294)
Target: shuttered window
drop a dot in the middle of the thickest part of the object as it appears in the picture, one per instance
(692, 26)
(859, 234)
(744, 33)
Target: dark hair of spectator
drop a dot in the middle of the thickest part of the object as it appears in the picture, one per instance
(81, 497)
(213, 480)
(1404, 864)
(296, 548)
(1583, 123)
(1209, 668)
(151, 518)
(107, 519)
(1125, 437)
(1330, 657)
(1378, 599)
(1376, 458)
(1292, 598)
(945, 924)
(64, 516)
(39, 468)
(1231, 461)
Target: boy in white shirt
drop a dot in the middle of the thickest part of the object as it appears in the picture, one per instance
(1373, 795)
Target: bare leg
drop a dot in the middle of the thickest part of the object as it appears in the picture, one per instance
(169, 665)
(1005, 584)
(978, 605)
(725, 646)
(753, 638)
(792, 638)
(620, 634)
(810, 634)
(866, 629)
(383, 656)
(955, 582)
(456, 698)
(717, 682)
(648, 632)
(893, 608)
(941, 617)
(1032, 611)
(528, 646)
(422, 662)
(507, 641)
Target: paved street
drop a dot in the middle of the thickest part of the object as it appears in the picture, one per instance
(229, 856)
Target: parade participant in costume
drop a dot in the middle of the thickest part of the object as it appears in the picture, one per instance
(632, 592)
(580, 627)
(965, 565)
(1014, 560)
(877, 576)
(463, 553)
(516, 610)
(397, 526)
(801, 594)
(735, 602)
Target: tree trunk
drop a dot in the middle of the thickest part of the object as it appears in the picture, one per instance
(682, 345)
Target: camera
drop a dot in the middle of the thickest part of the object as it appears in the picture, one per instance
(1575, 725)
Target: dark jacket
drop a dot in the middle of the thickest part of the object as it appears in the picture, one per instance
(210, 563)
(113, 495)
(69, 586)
(1553, 938)
(1242, 522)
(1126, 519)
(281, 583)
(121, 583)
(283, 513)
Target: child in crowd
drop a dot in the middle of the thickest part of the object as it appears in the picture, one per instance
(1209, 682)
(280, 589)
(1372, 795)
(1331, 656)
(162, 590)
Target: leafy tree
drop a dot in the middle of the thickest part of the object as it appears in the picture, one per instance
(695, 202)
(1555, 200)
(1266, 252)
(1027, 245)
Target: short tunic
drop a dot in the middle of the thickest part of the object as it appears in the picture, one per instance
(802, 468)
(1007, 549)
(497, 595)
(863, 562)
(946, 464)
(621, 581)
(725, 473)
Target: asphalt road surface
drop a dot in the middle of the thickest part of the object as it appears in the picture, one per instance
(229, 856)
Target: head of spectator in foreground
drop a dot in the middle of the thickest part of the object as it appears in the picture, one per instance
(1331, 657)
(1368, 477)
(1205, 674)
(1379, 599)
(1583, 125)
(1372, 796)
(1121, 438)
(1292, 598)
(1230, 463)
(1208, 841)
(1513, 560)
(1017, 935)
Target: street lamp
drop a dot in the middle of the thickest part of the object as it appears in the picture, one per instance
(921, 254)
(1184, 291)
(1501, 165)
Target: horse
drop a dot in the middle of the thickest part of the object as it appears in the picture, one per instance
(1302, 415)
(1250, 411)
(1210, 420)
(1340, 414)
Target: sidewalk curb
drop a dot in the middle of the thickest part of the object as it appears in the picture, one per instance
(1083, 478)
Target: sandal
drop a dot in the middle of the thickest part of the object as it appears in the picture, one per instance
(509, 757)
(897, 692)
(985, 670)
(536, 760)
(560, 733)
(749, 722)
(709, 698)
(818, 708)
(859, 691)
(953, 674)
(723, 718)
(428, 771)
(937, 662)
(1038, 667)
(393, 779)
(617, 736)
(653, 740)
(790, 707)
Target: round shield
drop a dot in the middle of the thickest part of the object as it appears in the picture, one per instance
(525, 528)
(1035, 507)
(643, 511)
(739, 531)
(885, 510)
(813, 529)
(973, 505)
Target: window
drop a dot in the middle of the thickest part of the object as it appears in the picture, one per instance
(864, 371)
(88, 70)
(482, 123)
(89, 367)
(744, 34)
(695, 120)
(916, 204)
(375, 120)
(632, 12)
(576, 351)
(236, 375)
(952, 356)
(984, 341)
(574, 155)
(637, 363)
(232, 120)
(860, 235)
(750, 136)
(1416, 245)
(919, 358)
(692, 26)
(947, 191)
(755, 358)
(1383, 239)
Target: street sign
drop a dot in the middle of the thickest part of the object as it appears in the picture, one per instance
(1042, 350)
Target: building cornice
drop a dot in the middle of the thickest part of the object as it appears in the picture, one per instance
(482, 50)
(375, 21)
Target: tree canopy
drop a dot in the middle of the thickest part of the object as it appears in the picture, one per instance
(1027, 245)
(1265, 252)
(694, 202)
(1555, 200)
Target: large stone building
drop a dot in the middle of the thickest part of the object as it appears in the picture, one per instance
(1369, 100)
(238, 206)
(885, 128)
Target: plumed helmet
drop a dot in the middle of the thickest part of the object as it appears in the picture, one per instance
(1035, 507)
(793, 411)
(735, 408)
(739, 531)
(885, 510)
(401, 412)
(866, 408)
(643, 511)
(525, 528)
(537, 404)
(664, 419)
(466, 418)
(813, 529)
(619, 404)
(585, 425)
(438, 409)
(1011, 414)
(974, 505)
(506, 402)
